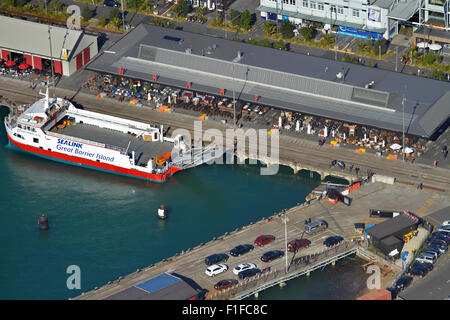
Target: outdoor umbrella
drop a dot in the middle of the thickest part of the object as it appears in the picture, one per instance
(423, 45)
(435, 47)
(23, 66)
(396, 146)
(10, 63)
(408, 150)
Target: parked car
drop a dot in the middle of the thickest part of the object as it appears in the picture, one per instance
(426, 258)
(316, 226)
(215, 258)
(442, 238)
(434, 253)
(446, 222)
(216, 269)
(225, 284)
(241, 249)
(272, 255)
(403, 283)
(445, 229)
(243, 266)
(426, 265)
(418, 271)
(264, 239)
(440, 234)
(431, 249)
(441, 248)
(248, 273)
(297, 244)
(110, 3)
(333, 240)
(438, 242)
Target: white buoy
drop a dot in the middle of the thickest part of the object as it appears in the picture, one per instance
(162, 212)
(280, 124)
(325, 132)
(309, 129)
(297, 126)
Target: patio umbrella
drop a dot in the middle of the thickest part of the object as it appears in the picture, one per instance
(408, 150)
(435, 47)
(423, 45)
(23, 66)
(396, 146)
(10, 63)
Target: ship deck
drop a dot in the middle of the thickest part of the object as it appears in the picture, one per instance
(144, 151)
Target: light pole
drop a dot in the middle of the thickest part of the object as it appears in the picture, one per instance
(234, 102)
(285, 220)
(403, 126)
(123, 17)
(379, 52)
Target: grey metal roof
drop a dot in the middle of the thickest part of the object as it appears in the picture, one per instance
(385, 4)
(289, 80)
(404, 10)
(33, 38)
(391, 227)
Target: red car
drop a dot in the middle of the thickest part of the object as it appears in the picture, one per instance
(224, 284)
(264, 239)
(296, 244)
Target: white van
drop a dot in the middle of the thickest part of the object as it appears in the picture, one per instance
(426, 258)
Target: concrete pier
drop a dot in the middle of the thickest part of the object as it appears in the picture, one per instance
(341, 221)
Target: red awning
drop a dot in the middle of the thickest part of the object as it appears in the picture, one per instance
(23, 66)
(10, 63)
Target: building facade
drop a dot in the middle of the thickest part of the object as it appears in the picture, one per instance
(359, 18)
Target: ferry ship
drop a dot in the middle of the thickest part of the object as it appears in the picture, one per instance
(53, 128)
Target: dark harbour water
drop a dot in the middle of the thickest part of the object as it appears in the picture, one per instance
(108, 226)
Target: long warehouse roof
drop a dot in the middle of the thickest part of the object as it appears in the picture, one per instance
(283, 79)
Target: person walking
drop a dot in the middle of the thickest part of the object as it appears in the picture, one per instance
(357, 170)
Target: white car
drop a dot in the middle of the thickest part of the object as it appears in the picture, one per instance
(443, 229)
(243, 266)
(216, 269)
(446, 223)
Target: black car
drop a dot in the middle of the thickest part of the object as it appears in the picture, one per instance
(215, 258)
(110, 3)
(272, 255)
(437, 246)
(440, 235)
(333, 240)
(403, 283)
(425, 265)
(241, 249)
(248, 273)
(418, 271)
(438, 242)
(441, 238)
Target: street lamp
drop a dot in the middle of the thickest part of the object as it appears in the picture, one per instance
(285, 220)
(403, 126)
(379, 52)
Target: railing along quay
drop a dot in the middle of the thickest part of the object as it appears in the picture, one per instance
(297, 267)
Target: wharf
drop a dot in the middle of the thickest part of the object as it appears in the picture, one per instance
(340, 218)
(297, 153)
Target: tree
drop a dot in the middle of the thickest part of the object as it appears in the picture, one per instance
(246, 20)
(135, 4)
(20, 3)
(286, 29)
(87, 13)
(116, 22)
(307, 33)
(269, 28)
(101, 21)
(181, 9)
(280, 45)
(114, 13)
(234, 17)
(438, 75)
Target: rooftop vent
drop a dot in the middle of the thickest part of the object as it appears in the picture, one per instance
(239, 56)
(369, 85)
(188, 50)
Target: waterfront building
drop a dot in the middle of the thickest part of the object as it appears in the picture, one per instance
(39, 44)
